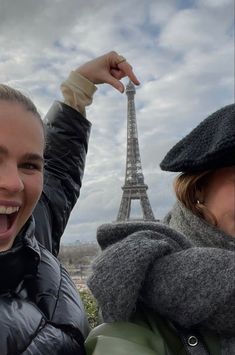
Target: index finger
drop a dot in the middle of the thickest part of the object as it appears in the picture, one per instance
(127, 69)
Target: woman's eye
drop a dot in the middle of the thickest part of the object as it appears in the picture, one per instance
(31, 166)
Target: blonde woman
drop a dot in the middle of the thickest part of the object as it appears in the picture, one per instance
(41, 169)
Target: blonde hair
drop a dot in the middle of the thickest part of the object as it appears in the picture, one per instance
(189, 190)
(10, 94)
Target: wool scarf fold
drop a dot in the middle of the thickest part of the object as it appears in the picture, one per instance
(182, 268)
(197, 230)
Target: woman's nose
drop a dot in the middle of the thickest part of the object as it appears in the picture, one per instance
(10, 179)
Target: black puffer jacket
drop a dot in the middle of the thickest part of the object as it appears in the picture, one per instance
(40, 310)
(67, 139)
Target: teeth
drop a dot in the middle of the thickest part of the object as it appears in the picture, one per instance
(8, 210)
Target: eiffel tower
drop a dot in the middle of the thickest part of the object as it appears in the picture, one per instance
(134, 187)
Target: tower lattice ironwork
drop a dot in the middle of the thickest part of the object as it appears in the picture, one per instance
(134, 187)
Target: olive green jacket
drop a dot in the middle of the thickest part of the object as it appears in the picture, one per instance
(147, 334)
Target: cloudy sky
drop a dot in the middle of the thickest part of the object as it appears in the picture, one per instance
(182, 52)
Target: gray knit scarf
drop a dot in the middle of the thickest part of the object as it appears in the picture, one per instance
(182, 268)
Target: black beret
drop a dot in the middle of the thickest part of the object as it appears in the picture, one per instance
(211, 145)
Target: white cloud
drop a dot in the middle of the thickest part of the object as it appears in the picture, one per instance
(200, 28)
(161, 11)
(215, 3)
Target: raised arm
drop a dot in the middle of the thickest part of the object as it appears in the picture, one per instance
(67, 143)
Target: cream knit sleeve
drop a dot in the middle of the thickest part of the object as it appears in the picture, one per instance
(78, 91)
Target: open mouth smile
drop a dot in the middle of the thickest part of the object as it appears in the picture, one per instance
(8, 216)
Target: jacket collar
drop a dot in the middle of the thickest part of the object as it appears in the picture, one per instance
(21, 260)
(27, 237)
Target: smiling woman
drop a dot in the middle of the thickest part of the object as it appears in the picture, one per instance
(40, 309)
(22, 259)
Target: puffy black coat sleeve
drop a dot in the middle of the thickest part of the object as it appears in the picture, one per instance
(67, 135)
(44, 314)
(30, 333)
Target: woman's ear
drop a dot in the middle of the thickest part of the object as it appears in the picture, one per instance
(200, 194)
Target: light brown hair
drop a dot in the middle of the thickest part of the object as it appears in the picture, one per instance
(10, 94)
(189, 190)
